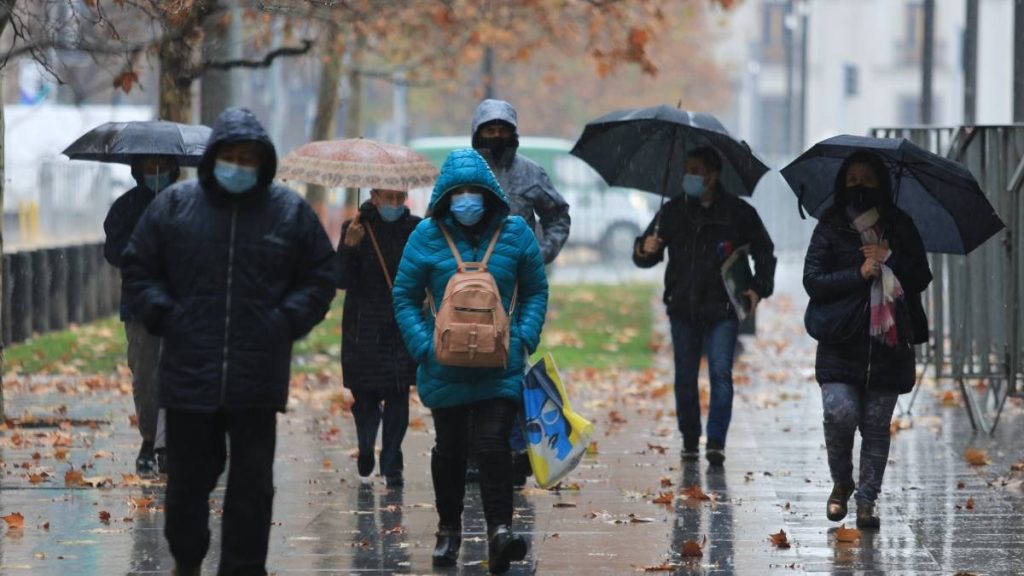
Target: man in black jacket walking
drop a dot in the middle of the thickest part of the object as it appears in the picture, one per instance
(229, 269)
(701, 228)
(153, 174)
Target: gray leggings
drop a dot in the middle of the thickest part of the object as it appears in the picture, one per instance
(846, 409)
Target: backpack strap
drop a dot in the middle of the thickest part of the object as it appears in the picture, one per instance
(490, 247)
(380, 257)
(451, 244)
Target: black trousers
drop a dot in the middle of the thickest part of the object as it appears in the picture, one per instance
(491, 422)
(196, 456)
(371, 408)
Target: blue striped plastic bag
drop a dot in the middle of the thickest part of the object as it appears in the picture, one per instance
(556, 437)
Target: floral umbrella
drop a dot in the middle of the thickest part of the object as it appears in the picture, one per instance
(358, 163)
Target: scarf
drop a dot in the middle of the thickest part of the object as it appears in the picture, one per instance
(886, 290)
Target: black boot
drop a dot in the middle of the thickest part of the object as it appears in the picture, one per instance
(503, 548)
(145, 463)
(835, 508)
(866, 518)
(446, 551)
(521, 469)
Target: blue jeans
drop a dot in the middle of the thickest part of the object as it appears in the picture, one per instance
(689, 340)
(846, 409)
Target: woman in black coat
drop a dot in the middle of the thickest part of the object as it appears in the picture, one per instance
(375, 364)
(865, 271)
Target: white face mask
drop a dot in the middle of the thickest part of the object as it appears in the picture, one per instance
(693, 185)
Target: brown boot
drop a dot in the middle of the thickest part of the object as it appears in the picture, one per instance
(837, 500)
(866, 517)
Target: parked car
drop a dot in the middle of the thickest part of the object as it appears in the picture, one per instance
(604, 218)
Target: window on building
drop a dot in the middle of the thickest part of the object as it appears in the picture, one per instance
(911, 45)
(773, 31)
(774, 125)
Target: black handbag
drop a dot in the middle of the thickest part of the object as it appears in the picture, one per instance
(837, 321)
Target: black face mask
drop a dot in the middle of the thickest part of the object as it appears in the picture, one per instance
(862, 198)
(496, 146)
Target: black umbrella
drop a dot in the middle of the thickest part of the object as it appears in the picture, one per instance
(940, 195)
(121, 142)
(645, 148)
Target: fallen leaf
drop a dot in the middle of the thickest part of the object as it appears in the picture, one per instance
(36, 478)
(104, 516)
(666, 567)
(969, 504)
(60, 454)
(780, 540)
(74, 478)
(666, 482)
(14, 520)
(592, 448)
(693, 549)
(564, 505)
(634, 519)
(1017, 466)
(844, 534)
(141, 502)
(695, 493)
(976, 457)
(327, 464)
(665, 498)
(657, 448)
(961, 485)
(46, 526)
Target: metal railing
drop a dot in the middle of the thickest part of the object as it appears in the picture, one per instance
(974, 301)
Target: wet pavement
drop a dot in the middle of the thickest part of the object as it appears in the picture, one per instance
(940, 515)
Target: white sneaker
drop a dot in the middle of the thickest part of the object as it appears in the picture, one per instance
(366, 480)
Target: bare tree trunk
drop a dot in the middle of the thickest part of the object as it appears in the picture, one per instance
(354, 107)
(177, 61)
(220, 88)
(5, 17)
(326, 104)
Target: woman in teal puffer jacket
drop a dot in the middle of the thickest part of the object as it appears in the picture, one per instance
(468, 200)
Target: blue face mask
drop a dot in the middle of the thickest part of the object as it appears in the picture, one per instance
(468, 207)
(390, 213)
(234, 178)
(693, 185)
(157, 182)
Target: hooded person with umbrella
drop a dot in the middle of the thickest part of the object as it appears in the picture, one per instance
(152, 174)
(865, 271)
(700, 229)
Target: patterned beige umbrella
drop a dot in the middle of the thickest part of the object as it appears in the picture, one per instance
(358, 163)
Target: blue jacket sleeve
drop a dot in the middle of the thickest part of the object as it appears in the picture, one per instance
(528, 322)
(409, 291)
(312, 290)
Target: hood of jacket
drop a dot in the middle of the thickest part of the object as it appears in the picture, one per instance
(237, 125)
(465, 167)
(492, 110)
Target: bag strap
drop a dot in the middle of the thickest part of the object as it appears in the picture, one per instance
(458, 260)
(380, 257)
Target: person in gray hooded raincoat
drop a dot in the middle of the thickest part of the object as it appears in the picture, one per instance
(530, 192)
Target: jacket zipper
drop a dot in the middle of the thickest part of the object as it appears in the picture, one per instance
(227, 315)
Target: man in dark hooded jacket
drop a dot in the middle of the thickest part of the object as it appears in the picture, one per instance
(153, 174)
(229, 269)
(529, 190)
(530, 196)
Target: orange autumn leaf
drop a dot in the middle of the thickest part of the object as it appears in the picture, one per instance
(36, 478)
(844, 534)
(977, 457)
(14, 520)
(141, 502)
(74, 478)
(780, 540)
(417, 424)
(328, 464)
(665, 498)
(695, 493)
(60, 454)
(970, 504)
(693, 549)
(666, 482)
(666, 567)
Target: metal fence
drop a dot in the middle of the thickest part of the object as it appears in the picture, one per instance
(975, 300)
